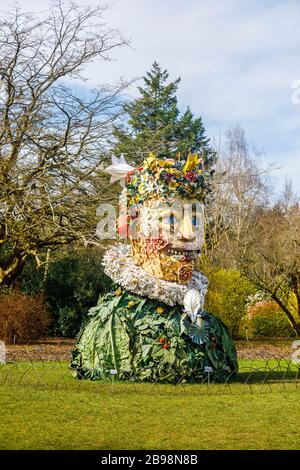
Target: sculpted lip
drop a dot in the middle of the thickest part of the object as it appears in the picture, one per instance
(182, 253)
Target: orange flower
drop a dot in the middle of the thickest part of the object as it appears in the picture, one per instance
(160, 310)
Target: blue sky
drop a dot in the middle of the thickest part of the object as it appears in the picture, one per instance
(237, 59)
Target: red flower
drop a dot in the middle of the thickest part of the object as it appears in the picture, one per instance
(191, 176)
(169, 177)
(161, 340)
(153, 245)
(129, 175)
(214, 345)
(214, 339)
(166, 346)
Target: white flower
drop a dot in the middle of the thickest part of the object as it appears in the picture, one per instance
(119, 169)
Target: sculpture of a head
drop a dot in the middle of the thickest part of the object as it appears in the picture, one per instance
(166, 215)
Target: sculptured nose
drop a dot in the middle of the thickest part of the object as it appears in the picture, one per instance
(186, 230)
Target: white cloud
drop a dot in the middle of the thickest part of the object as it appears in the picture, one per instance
(237, 61)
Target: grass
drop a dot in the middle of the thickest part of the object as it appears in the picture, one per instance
(43, 407)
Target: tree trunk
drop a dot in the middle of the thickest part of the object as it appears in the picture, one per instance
(294, 323)
(11, 271)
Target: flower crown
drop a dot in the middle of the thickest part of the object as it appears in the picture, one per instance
(169, 178)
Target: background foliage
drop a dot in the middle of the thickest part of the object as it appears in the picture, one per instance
(154, 123)
(23, 317)
(267, 320)
(73, 284)
(227, 296)
(56, 142)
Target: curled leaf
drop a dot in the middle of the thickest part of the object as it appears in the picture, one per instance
(192, 303)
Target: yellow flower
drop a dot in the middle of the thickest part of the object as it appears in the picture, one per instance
(141, 188)
(173, 185)
(151, 162)
(164, 163)
(131, 303)
(134, 180)
(160, 310)
(192, 161)
(118, 292)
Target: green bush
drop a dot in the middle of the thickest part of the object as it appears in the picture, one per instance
(267, 320)
(72, 286)
(227, 297)
(275, 327)
(68, 320)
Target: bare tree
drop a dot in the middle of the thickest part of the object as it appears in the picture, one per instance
(239, 187)
(272, 258)
(246, 231)
(52, 138)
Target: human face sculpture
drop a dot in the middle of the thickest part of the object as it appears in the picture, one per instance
(167, 237)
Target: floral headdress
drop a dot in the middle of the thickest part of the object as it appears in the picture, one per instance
(168, 178)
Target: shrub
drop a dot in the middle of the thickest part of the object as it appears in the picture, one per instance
(72, 286)
(23, 317)
(227, 297)
(266, 319)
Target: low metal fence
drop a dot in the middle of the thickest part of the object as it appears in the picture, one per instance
(46, 367)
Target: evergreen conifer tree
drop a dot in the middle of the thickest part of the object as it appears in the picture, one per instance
(155, 123)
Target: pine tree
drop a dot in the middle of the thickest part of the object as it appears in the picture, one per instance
(155, 124)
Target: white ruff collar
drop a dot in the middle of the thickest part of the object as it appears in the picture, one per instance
(121, 268)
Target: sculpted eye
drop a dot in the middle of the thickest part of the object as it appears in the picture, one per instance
(172, 219)
(169, 219)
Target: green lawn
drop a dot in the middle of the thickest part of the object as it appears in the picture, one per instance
(43, 407)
